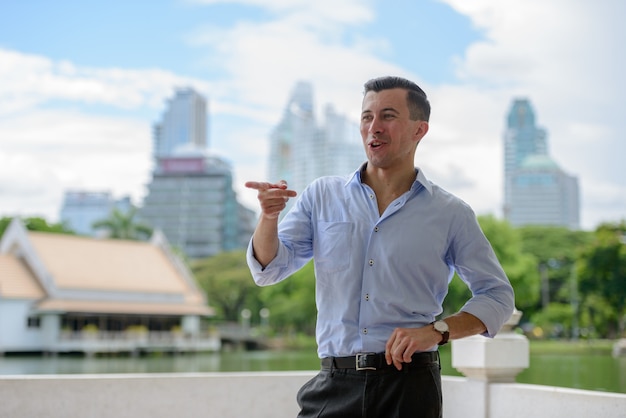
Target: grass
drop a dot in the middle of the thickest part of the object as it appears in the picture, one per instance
(565, 347)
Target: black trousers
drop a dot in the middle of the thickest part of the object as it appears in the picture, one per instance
(413, 392)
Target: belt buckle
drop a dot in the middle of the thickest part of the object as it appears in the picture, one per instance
(361, 359)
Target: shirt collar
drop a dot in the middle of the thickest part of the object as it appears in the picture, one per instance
(420, 179)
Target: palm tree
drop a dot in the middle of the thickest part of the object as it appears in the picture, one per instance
(123, 226)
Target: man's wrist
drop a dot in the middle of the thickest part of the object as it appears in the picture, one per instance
(442, 328)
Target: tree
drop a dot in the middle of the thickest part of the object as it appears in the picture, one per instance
(122, 225)
(228, 284)
(292, 302)
(36, 224)
(556, 250)
(602, 272)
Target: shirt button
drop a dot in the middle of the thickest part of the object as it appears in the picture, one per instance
(364, 330)
(367, 296)
(371, 196)
(371, 262)
(376, 229)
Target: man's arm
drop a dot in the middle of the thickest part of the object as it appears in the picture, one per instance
(406, 341)
(273, 199)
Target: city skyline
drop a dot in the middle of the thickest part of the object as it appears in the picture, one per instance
(76, 112)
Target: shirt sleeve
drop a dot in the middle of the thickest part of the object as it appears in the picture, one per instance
(294, 247)
(493, 299)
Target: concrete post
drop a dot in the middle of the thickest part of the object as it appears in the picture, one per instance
(493, 360)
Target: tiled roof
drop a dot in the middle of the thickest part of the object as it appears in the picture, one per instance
(91, 275)
(16, 280)
(82, 263)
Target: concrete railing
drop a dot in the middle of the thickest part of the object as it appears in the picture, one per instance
(268, 395)
(488, 391)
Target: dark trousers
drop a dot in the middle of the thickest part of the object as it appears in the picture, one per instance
(412, 392)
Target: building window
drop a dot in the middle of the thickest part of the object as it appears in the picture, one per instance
(34, 322)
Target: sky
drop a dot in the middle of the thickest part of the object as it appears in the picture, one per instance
(82, 84)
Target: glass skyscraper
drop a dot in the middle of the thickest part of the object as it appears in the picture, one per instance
(303, 148)
(536, 190)
(191, 197)
(184, 123)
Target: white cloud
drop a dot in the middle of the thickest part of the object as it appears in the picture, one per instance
(563, 55)
(43, 153)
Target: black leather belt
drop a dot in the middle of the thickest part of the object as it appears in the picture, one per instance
(375, 361)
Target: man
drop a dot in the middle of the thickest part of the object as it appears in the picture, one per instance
(385, 243)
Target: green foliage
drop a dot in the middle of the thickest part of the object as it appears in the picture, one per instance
(597, 316)
(122, 225)
(555, 321)
(519, 265)
(602, 272)
(228, 284)
(292, 302)
(36, 224)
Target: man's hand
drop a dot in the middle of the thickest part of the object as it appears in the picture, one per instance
(272, 197)
(404, 342)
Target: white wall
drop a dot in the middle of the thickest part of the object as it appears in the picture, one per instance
(14, 331)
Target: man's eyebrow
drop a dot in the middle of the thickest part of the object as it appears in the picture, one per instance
(386, 109)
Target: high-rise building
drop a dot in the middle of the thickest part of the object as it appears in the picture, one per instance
(184, 123)
(81, 208)
(191, 197)
(192, 201)
(536, 190)
(303, 149)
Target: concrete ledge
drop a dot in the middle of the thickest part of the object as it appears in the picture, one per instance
(152, 395)
(267, 395)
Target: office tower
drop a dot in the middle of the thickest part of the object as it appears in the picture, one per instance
(183, 124)
(192, 201)
(303, 149)
(536, 190)
(190, 197)
(81, 208)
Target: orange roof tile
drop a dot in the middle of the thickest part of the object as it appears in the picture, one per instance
(16, 280)
(107, 264)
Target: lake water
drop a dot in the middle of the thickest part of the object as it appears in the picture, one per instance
(592, 372)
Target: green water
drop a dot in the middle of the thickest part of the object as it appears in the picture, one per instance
(595, 371)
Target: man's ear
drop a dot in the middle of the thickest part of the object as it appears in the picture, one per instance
(421, 130)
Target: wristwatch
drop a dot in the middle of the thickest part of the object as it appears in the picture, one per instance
(442, 327)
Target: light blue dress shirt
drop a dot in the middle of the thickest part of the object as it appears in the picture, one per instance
(375, 273)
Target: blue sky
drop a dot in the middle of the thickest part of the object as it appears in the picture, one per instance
(81, 84)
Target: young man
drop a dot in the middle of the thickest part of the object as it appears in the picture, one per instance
(385, 243)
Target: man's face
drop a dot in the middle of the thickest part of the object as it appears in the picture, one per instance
(389, 135)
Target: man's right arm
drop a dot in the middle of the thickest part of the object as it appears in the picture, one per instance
(273, 199)
(265, 241)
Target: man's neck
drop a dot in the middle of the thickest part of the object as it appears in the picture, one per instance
(388, 184)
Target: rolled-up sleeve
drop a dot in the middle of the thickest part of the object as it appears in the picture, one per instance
(493, 299)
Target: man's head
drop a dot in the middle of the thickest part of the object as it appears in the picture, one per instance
(418, 104)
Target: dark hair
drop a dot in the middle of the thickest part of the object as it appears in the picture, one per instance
(419, 107)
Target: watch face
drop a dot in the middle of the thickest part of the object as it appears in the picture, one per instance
(441, 326)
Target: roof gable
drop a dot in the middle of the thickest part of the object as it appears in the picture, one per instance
(17, 281)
